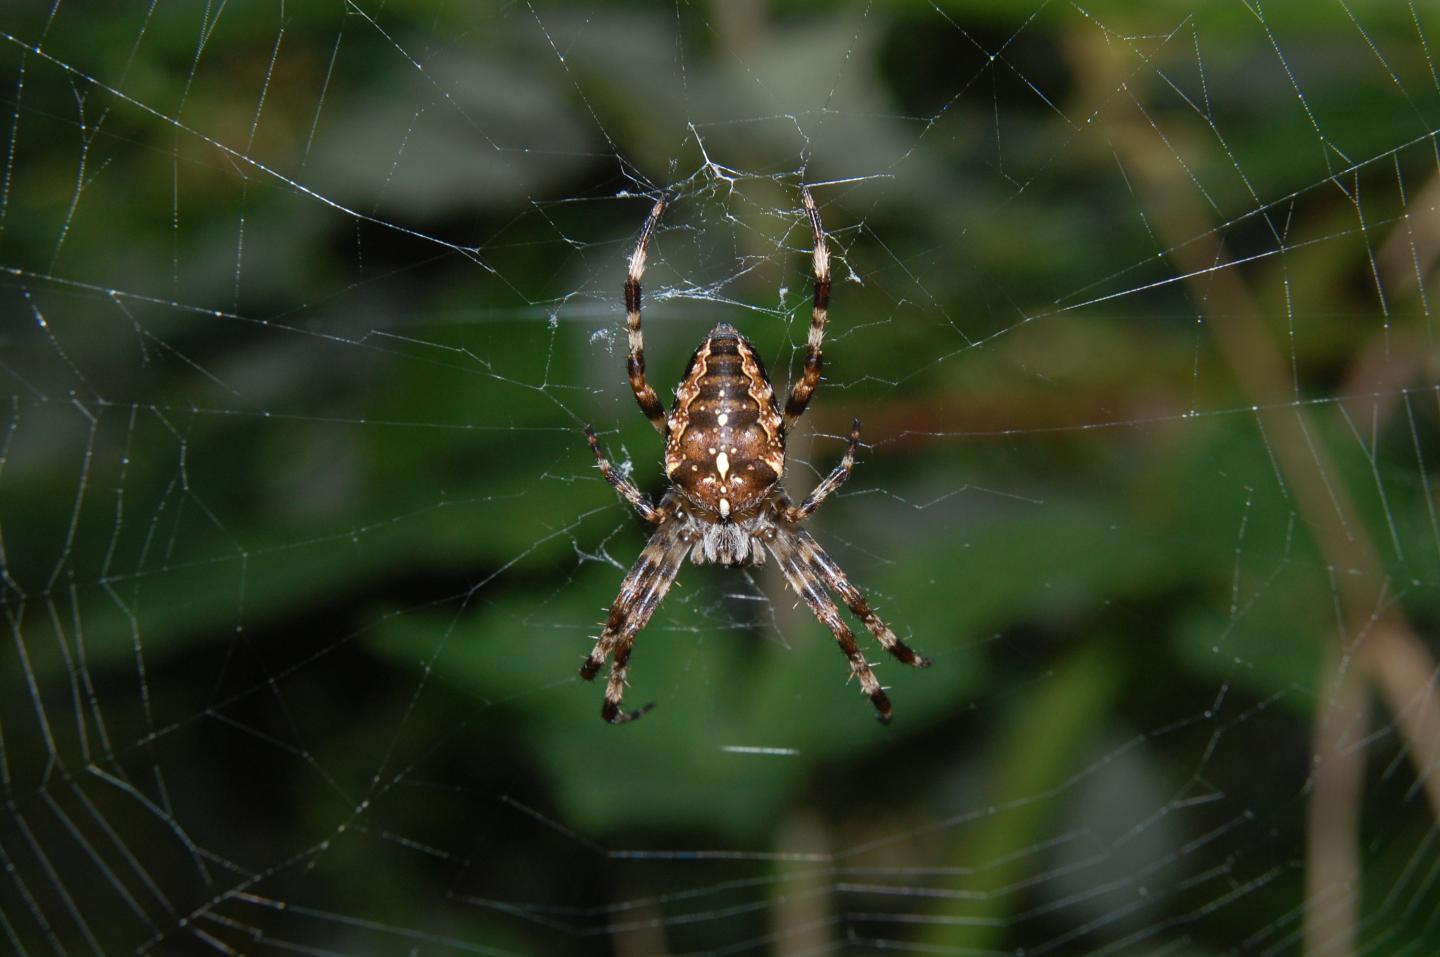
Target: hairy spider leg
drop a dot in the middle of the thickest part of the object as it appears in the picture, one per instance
(819, 311)
(833, 481)
(649, 401)
(624, 486)
(640, 594)
(792, 563)
(824, 568)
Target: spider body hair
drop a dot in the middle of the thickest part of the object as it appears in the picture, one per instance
(738, 540)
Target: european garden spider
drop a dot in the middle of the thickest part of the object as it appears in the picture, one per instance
(724, 455)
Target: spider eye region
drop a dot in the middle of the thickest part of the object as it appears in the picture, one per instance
(726, 449)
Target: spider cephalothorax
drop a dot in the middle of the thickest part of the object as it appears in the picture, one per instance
(724, 455)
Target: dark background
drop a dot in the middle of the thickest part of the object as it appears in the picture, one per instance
(305, 307)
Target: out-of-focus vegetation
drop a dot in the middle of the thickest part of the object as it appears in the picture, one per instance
(303, 544)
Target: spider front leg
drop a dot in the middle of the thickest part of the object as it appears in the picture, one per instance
(808, 587)
(833, 481)
(649, 401)
(819, 311)
(640, 594)
(623, 485)
(823, 567)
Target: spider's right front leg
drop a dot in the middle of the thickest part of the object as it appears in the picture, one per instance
(649, 401)
(640, 594)
(805, 584)
(823, 567)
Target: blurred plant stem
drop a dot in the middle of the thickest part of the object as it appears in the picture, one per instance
(1031, 767)
(804, 906)
(637, 924)
(1372, 639)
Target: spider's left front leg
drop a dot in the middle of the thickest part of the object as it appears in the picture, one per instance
(624, 486)
(640, 594)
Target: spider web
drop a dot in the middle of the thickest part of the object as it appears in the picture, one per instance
(306, 307)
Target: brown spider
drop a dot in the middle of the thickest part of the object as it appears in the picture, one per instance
(724, 455)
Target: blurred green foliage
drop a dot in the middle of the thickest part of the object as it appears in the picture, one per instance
(295, 493)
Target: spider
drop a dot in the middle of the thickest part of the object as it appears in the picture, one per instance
(724, 456)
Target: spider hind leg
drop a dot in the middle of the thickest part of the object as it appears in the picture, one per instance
(804, 387)
(635, 365)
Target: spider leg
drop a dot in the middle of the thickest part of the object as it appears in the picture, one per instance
(833, 481)
(805, 387)
(640, 594)
(822, 566)
(802, 579)
(649, 401)
(623, 485)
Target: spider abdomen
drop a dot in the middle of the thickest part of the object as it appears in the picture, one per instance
(726, 448)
